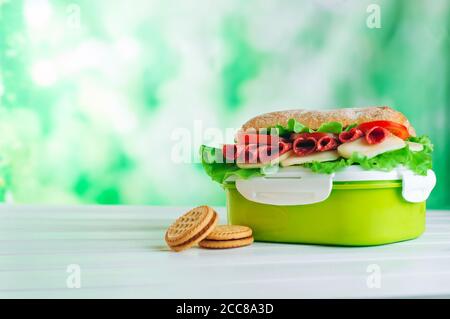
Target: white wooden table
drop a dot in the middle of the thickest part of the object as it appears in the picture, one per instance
(120, 252)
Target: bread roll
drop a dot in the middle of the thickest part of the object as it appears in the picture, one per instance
(313, 119)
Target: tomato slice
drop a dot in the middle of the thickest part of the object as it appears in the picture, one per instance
(395, 128)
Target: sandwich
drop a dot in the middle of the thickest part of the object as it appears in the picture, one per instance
(325, 141)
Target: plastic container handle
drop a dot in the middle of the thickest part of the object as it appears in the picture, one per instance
(417, 188)
(286, 191)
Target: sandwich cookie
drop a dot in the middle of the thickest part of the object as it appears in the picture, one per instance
(228, 236)
(191, 228)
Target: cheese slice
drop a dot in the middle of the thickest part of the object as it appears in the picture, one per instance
(415, 147)
(391, 143)
(259, 165)
(315, 157)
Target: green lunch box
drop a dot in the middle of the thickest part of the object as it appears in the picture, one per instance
(349, 208)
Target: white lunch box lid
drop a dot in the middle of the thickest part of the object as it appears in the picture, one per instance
(297, 185)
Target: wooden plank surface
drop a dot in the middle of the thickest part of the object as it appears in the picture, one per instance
(121, 253)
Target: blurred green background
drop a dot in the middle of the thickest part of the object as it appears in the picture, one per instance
(93, 93)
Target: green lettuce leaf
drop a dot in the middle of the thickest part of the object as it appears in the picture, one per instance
(330, 127)
(327, 167)
(424, 140)
(418, 162)
(219, 172)
(349, 127)
(293, 126)
(296, 127)
(383, 162)
(281, 130)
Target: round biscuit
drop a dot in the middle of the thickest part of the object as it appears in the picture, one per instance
(224, 244)
(189, 225)
(198, 237)
(228, 232)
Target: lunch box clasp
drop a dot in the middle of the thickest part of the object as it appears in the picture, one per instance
(286, 190)
(417, 188)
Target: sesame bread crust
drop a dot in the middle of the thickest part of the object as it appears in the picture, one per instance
(314, 118)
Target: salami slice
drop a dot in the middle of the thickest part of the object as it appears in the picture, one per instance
(267, 153)
(315, 135)
(304, 145)
(229, 152)
(249, 154)
(327, 143)
(351, 135)
(376, 135)
(284, 146)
